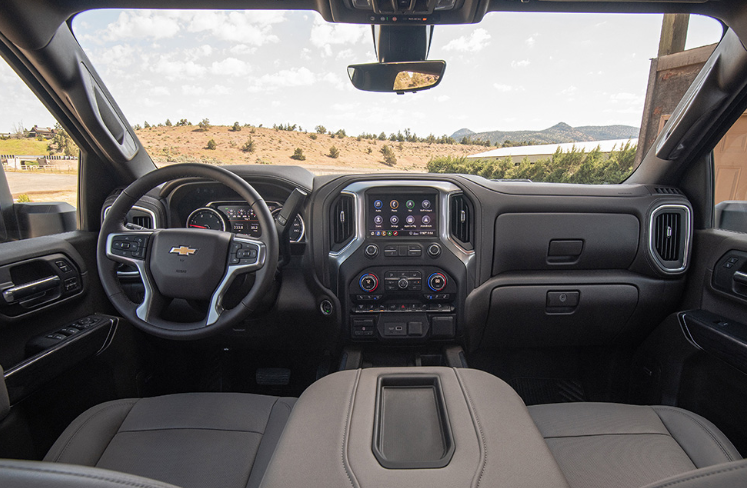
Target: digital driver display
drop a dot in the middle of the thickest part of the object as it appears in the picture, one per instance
(402, 215)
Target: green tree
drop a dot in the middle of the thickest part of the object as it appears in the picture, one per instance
(146, 125)
(63, 142)
(382, 137)
(248, 145)
(204, 125)
(334, 153)
(212, 144)
(320, 129)
(298, 155)
(168, 123)
(389, 157)
(236, 127)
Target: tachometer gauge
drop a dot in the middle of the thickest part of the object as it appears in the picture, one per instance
(206, 218)
(298, 229)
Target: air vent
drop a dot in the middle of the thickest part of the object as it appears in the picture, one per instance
(663, 190)
(145, 221)
(343, 221)
(670, 237)
(460, 216)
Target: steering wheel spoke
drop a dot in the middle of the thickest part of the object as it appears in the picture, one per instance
(128, 247)
(245, 255)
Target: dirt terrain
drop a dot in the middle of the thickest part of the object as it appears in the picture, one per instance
(169, 145)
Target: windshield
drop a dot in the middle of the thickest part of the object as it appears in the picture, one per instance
(541, 97)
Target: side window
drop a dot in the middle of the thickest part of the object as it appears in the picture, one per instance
(39, 161)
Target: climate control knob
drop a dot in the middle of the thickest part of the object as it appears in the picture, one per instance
(437, 281)
(369, 282)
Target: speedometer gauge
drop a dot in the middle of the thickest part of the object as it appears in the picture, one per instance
(206, 218)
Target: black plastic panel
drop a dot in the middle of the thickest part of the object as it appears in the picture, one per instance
(412, 428)
(724, 338)
(591, 241)
(537, 316)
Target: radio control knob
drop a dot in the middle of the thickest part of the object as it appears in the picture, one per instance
(434, 250)
(437, 281)
(368, 282)
(371, 251)
(403, 283)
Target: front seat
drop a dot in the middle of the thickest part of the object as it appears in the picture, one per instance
(191, 440)
(626, 446)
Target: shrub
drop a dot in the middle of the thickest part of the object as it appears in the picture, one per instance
(334, 153)
(146, 125)
(212, 144)
(168, 123)
(320, 129)
(368, 150)
(313, 137)
(236, 127)
(340, 133)
(23, 198)
(204, 125)
(389, 157)
(298, 155)
(382, 137)
(248, 145)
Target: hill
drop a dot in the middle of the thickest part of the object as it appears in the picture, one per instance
(273, 146)
(23, 147)
(556, 134)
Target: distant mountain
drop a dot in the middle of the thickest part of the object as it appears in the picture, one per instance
(556, 134)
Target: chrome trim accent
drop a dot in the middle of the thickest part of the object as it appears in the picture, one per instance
(216, 307)
(210, 209)
(144, 308)
(688, 230)
(445, 190)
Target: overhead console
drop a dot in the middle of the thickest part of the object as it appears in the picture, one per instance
(401, 254)
(408, 12)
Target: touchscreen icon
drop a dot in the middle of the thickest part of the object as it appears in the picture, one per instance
(378, 204)
(378, 220)
(426, 220)
(410, 219)
(394, 204)
(394, 220)
(426, 204)
(410, 204)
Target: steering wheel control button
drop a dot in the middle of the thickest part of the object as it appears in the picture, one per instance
(434, 250)
(371, 251)
(129, 246)
(243, 253)
(437, 281)
(369, 282)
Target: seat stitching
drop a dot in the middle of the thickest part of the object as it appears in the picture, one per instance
(473, 410)
(349, 472)
(87, 476)
(135, 431)
(703, 475)
(79, 429)
(699, 423)
(602, 435)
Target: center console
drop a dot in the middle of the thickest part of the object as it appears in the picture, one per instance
(403, 277)
(411, 427)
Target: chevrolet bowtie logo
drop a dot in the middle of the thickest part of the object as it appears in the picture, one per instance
(182, 251)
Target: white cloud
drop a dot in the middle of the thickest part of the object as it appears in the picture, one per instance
(472, 43)
(569, 91)
(345, 54)
(502, 88)
(241, 49)
(160, 91)
(142, 24)
(198, 52)
(335, 80)
(191, 90)
(625, 97)
(288, 77)
(220, 90)
(443, 98)
(530, 42)
(325, 35)
(177, 69)
(520, 64)
(345, 107)
(230, 67)
(252, 28)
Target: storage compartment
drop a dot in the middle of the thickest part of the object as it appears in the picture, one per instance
(552, 315)
(412, 427)
(564, 241)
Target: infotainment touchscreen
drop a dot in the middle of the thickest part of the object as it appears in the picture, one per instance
(402, 215)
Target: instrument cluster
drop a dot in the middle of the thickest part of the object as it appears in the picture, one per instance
(239, 218)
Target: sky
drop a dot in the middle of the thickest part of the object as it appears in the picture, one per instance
(512, 71)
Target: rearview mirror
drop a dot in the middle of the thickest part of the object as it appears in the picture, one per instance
(397, 77)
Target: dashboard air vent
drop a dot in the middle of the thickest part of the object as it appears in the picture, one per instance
(145, 221)
(460, 225)
(670, 237)
(343, 221)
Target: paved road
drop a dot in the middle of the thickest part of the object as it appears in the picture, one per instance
(30, 183)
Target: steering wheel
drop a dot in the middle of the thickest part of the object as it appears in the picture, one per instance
(192, 264)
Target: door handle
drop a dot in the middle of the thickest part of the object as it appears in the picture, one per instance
(740, 277)
(17, 293)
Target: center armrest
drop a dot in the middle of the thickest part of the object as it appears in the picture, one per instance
(468, 428)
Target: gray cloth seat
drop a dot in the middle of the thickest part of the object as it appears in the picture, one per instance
(194, 440)
(626, 446)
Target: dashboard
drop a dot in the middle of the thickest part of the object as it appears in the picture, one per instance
(422, 259)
